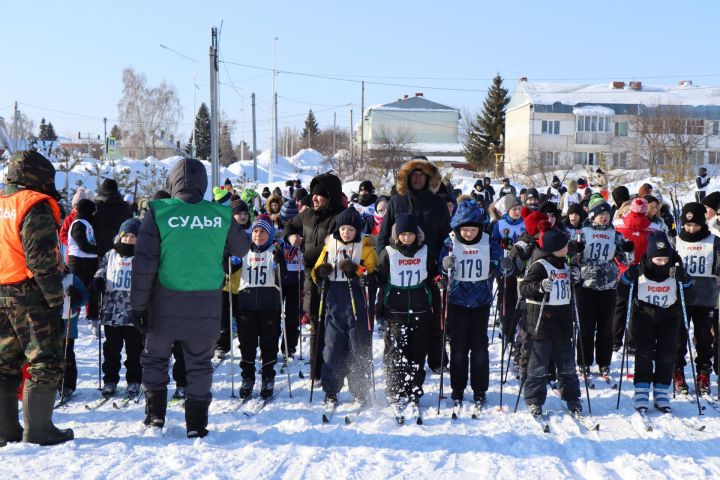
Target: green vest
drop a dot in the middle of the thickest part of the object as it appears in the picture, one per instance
(192, 242)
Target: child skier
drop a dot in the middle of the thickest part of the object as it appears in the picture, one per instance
(112, 282)
(403, 270)
(348, 338)
(76, 295)
(549, 322)
(292, 282)
(597, 292)
(700, 253)
(259, 305)
(469, 258)
(656, 317)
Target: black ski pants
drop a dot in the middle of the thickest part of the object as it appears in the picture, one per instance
(595, 311)
(469, 339)
(115, 337)
(259, 328)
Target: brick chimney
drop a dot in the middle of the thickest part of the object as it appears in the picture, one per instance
(618, 85)
(419, 94)
(636, 85)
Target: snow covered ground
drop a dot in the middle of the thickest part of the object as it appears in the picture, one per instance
(288, 440)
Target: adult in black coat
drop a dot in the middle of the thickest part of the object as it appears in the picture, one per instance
(111, 212)
(191, 317)
(309, 230)
(416, 184)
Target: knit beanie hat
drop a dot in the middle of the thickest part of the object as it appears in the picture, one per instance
(351, 217)
(228, 182)
(220, 195)
(532, 220)
(288, 211)
(532, 193)
(367, 185)
(406, 222)
(264, 222)
(639, 205)
(320, 190)
(693, 212)
(109, 186)
(511, 201)
(549, 208)
(131, 225)
(80, 194)
(712, 200)
(598, 206)
(620, 195)
(575, 208)
(85, 208)
(581, 182)
(238, 206)
(658, 245)
(265, 192)
(551, 239)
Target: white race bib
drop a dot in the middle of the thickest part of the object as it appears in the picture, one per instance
(472, 262)
(407, 271)
(661, 294)
(510, 231)
(258, 270)
(337, 252)
(697, 256)
(119, 272)
(599, 244)
(560, 294)
(73, 248)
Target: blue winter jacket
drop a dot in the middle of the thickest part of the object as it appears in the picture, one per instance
(471, 294)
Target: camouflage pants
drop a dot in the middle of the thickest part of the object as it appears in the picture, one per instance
(32, 334)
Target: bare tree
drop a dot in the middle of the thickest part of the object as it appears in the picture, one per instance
(323, 141)
(147, 113)
(391, 148)
(669, 143)
(539, 167)
(22, 129)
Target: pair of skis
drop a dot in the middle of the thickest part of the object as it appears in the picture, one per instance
(476, 410)
(584, 423)
(120, 404)
(350, 416)
(251, 406)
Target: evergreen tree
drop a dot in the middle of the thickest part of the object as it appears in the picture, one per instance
(43, 130)
(311, 129)
(51, 135)
(227, 154)
(486, 135)
(202, 129)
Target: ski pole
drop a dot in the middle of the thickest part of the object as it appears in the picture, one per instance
(67, 340)
(513, 334)
(625, 343)
(492, 338)
(230, 326)
(99, 335)
(316, 349)
(578, 341)
(284, 328)
(300, 311)
(443, 324)
(367, 311)
(692, 362)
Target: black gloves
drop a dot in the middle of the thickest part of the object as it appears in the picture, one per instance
(278, 254)
(632, 273)
(627, 246)
(75, 295)
(678, 273)
(575, 247)
(323, 271)
(99, 284)
(348, 267)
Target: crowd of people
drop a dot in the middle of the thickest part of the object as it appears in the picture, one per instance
(575, 272)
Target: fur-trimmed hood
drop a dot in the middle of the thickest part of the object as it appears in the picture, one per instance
(402, 182)
(273, 198)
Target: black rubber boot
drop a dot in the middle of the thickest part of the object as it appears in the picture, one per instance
(196, 418)
(38, 401)
(155, 408)
(10, 429)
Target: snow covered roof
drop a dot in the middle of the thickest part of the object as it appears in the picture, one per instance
(416, 103)
(563, 97)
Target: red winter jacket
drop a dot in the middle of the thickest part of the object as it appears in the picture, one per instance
(65, 229)
(636, 227)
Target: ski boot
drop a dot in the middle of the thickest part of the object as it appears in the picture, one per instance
(179, 393)
(661, 398)
(703, 379)
(246, 387)
(535, 409)
(680, 383)
(575, 407)
(267, 387)
(109, 390)
(641, 397)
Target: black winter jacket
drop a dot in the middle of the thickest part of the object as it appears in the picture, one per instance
(557, 323)
(314, 227)
(111, 212)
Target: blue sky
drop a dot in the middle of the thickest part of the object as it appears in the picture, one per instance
(69, 56)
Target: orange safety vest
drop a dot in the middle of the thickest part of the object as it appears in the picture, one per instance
(13, 209)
